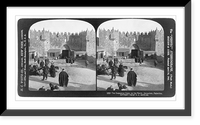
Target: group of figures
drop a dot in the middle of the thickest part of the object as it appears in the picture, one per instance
(45, 69)
(63, 82)
(42, 68)
(110, 67)
(114, 67)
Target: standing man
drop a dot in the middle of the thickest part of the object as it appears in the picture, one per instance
(131, 77)
(114, 71)
(42, 64)
(47, 61)
(45, 72)
(52, 70)
(63, 78)
(110, 63)
(121, 70)
(38, 61)
(86, 63)
(155, 62)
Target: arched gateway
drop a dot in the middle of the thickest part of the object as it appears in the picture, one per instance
(136, 52)
(68, 54)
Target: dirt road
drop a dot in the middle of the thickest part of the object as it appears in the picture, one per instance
(80, 77)
(148, 77)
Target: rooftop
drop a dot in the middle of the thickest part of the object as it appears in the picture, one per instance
(53, 50)
(100, 48)
(123, 50)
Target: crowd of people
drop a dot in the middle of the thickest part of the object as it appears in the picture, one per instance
(116, 68)
(110, 67)
(42, 67)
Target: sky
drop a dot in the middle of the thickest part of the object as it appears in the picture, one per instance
(76, 26)
(72, 26)
(131, 25)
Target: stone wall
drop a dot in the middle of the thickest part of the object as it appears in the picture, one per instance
(159, 42)
(112, 39)
(91, 43)
(44, 40)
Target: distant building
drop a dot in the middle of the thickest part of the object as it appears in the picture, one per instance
(45, 38)
(159, 38)
(122, 52)
(112, 40)
(100, 52)
(53, 53)
(32, 53)
(90, 43)
(79, 53)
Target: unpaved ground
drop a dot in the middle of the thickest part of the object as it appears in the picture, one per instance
(149, 77)
(80, 77)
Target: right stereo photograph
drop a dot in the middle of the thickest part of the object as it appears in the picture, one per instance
(131, 55)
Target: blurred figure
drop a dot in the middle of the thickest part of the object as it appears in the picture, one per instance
(86, 63)
(110, 63)
(52, 70)
(131, 77)
(110, 88)
(42, 64)
(38, 61)
(53, 87)
(114, 71)
(47, 61)
(155, 62)
(121, 70)
(45, 72)
(63, 78)
(41, 89)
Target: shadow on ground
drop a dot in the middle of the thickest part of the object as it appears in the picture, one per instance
(72, 86)
(140, 86)
(108, 80)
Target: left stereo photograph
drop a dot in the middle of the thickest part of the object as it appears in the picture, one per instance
(56, 55)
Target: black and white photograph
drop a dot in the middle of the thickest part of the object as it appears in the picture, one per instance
(62, 56)
(130, 55)
(99, 61)
(96, 57)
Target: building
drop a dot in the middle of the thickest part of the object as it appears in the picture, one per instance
(90, 43)
(79, 53)
(100, 52)
(53, 53)
(159, 38)
(32, 53)
(122, 52)
(45, 39)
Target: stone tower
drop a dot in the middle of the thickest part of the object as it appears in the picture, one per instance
(90, 43)
(159, 38)
(45, 38)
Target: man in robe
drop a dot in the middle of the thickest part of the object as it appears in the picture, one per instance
(121, 70)
(52, 70)
(63, 78)
(131, 78)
